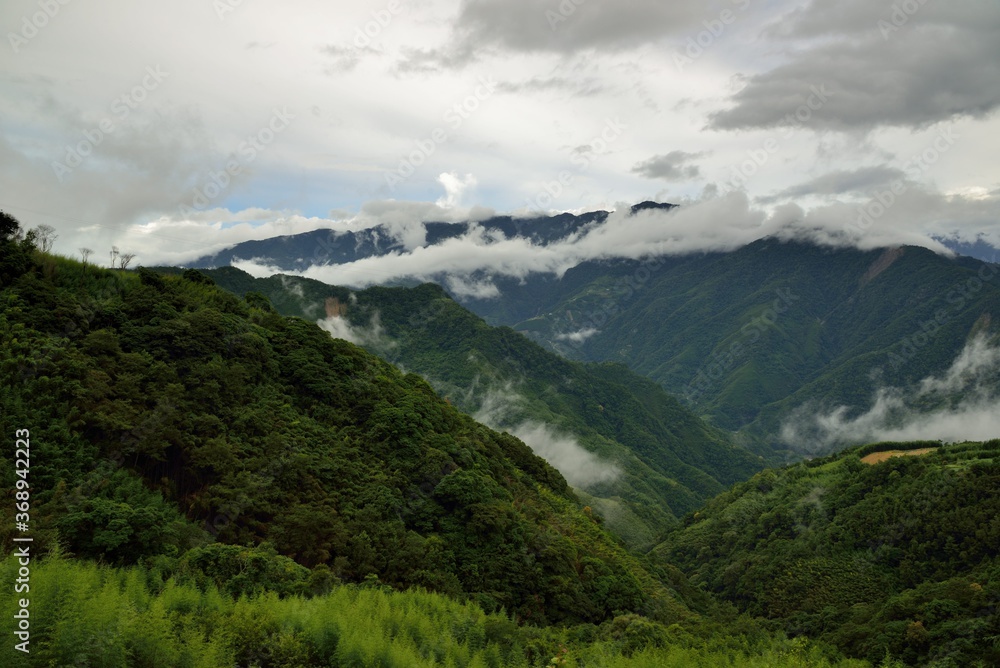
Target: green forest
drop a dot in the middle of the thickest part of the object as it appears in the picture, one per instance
(671, 461)
(213, 483)
(900, 557)
(746, 336)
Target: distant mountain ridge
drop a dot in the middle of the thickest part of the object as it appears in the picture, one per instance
(746, 337)
(328, 246)
(300, 251)
(979, 250)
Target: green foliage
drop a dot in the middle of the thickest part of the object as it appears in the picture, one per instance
(9, 226)
(241, 570)
(166, 414)
(82, 614)
(16, 249)
(900, 557)
(749, 335)
(670, 460)
(196, 276)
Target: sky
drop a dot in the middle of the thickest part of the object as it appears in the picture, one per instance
(172, 130)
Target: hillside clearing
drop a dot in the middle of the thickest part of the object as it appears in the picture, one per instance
(876, 457)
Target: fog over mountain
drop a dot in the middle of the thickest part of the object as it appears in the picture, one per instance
(515, 249)
(500, 332)
(811, 118)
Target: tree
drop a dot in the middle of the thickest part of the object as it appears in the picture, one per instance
(45, 236)
(114, 255)
(125, 259)
(16, 248)
(85, 253)
(9, 227)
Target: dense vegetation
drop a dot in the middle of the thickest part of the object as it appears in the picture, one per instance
(670, 460)
(239, 469)
(216, 484)
(168, 415)
(747, 336)
(87, 615)
(744, 337)
(899, 557)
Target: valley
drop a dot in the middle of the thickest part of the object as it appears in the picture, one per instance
(279, 446)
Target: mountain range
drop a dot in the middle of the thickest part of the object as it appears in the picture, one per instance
(637, 456)
(757, 340)
(229, 470)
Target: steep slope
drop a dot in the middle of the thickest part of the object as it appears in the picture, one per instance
(748, 336)
(167, 417)
(633, 452)
(876, 555)
(745, 338)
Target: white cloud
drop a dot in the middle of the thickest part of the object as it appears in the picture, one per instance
(895, 414)
(372, 336)
(470, 288)
(454, 188)
(578, 336)
(357, 114)
(580, 467)
(500, 409)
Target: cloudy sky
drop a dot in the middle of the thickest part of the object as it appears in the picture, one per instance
(174, 129)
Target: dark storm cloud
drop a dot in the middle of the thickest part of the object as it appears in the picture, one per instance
(555, 26)
(673, 166)
(881, 66)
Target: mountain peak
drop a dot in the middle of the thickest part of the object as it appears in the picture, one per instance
(648, 204)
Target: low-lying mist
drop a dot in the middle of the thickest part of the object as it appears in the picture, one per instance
(500, 409)
(963, 404)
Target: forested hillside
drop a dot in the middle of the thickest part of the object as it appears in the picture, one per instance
(877, 555)
(668, 461)
(746, 337)
(133, 617)
(168, 415)
(214, 484)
